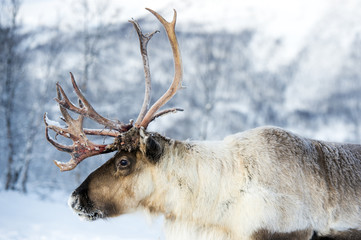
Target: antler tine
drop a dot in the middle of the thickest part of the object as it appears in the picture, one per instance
(178, 72)
(64, 112)
(58, 130)
(165, 112)
(143, 42)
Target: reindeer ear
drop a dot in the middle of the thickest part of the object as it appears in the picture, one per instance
(149, 146)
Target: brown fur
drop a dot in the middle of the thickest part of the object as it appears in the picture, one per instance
(264, 234)
(346, 235)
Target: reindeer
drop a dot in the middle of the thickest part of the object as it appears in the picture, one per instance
(264, 183)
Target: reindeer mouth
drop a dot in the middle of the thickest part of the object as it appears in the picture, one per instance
(84, 208)
(90, 216)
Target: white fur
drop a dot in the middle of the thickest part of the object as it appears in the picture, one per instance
(230, 189)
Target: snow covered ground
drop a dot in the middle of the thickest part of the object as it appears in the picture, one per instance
(28, 217)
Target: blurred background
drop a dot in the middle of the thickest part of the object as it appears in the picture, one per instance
(247, 63)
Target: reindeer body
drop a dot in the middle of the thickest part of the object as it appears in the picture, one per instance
(261, 179)
(262, 184)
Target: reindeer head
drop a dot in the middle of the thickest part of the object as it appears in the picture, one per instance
(125, 180)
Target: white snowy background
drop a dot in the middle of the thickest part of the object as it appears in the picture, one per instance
(291, 63)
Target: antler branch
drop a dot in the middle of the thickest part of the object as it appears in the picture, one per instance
(143, 42)
(165, 112)
(178, 72)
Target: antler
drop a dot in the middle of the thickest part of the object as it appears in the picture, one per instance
(82, 147)
(178, 73)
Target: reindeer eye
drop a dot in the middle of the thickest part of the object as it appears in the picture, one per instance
(124, 163)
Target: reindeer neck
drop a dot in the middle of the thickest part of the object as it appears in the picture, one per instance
(183, 178)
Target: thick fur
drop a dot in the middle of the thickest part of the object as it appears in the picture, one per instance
(265, 178)
(265, 183)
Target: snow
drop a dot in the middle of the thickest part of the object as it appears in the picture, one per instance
(52, 123)
(28, 217)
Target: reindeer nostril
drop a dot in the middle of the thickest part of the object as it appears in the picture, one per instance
(75, 202)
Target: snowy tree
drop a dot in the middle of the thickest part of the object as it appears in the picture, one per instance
(12, 61)
(49, 55)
